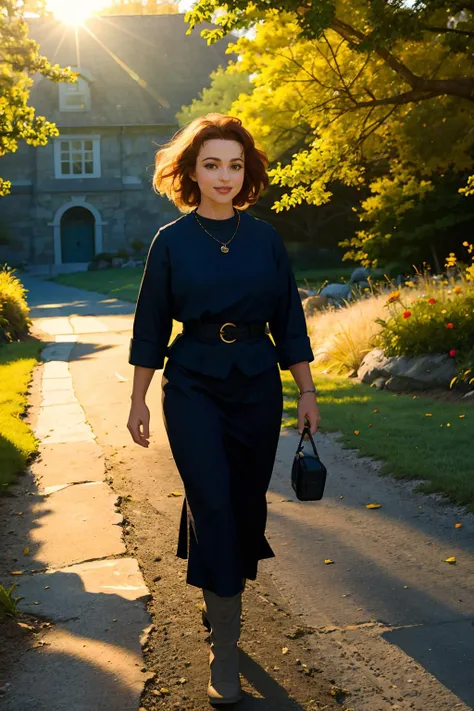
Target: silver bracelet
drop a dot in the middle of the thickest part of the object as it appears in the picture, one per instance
(308, 391)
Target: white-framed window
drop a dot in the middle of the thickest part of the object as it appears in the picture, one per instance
(77, 157)
(74, 96)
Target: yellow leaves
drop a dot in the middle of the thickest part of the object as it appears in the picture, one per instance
(373, 506)
(451, 561)
(285, 650)
(174, 493)
(26, 550)
(458, 525)
(328, 561)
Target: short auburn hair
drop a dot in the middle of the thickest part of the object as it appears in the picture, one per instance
(175, 160)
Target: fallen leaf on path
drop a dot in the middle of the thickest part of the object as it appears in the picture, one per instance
(26, 550)
(328, 561)
(120, 378)
(451, 560)
(175, 493)
(458, 525)
(16, 572)
(284, 650)
(373, 506)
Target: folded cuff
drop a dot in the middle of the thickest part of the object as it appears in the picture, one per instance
(295, 351)
(146, 354)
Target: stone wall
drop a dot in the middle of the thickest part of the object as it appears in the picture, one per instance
(123, 196)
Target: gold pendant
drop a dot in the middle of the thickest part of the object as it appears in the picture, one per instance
(224, 249)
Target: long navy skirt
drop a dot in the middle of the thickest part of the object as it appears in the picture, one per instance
(223, 435)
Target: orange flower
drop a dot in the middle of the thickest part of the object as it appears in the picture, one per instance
(450, 325)
(406, 314)
(432, 301)
(394, 296)
(457, 290)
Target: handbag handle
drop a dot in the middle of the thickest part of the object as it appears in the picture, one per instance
(307, 430)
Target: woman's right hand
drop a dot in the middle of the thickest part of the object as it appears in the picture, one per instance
(139, 423)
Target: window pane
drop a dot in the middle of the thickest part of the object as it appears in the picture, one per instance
(76, 145)
(77, 157)
(87, 145)
(76, 100)
(65, 146)
(88, 155)
(64, 155)
(77, 168)
(89, 167)
(65, 168)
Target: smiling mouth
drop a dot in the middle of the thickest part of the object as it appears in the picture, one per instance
(224, 189)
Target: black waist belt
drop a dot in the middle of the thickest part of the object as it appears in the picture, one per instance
(228, 332)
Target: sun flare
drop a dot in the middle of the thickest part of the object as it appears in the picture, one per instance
(74, 12)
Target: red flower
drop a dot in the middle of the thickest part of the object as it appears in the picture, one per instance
(450, 325)
(432, 301)
(406, 314)
(452, 353)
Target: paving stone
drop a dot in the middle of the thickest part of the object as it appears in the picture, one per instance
(72, 525)
(86, 661)
(68, 462)
(55, 369)
(50, 384)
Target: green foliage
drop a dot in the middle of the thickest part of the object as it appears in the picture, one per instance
(226, 86)
(14, 319)
(429, 324)
(8, 603)
(360, 93)
(20, 61)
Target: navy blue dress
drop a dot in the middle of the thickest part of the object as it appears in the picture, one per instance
(222, 402)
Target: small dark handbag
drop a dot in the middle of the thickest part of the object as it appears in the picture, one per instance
(308, 473)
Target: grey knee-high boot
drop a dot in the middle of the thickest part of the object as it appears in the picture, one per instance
(223, 614)
(205, 620)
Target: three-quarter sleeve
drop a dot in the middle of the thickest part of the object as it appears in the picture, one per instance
(153, 319)
(288, 323)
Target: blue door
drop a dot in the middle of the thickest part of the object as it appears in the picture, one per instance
(77, 235)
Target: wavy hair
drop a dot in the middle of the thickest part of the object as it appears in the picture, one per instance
(175, 159)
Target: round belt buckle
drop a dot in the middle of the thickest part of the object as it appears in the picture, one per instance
(221, 332)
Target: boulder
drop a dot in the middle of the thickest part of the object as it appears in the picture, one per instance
(361, 274)
(404, 373)
(314, 303)
(337, 293)
(117, 262)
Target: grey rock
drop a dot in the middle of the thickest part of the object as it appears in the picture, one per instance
(403, 373)
(314, 303)
(359, 274)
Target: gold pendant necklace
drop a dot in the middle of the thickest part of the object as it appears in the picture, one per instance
(224, 247)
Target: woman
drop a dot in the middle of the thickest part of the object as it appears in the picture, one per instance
(224, 274)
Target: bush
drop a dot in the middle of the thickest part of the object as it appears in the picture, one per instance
(438, 322)
(14, 320)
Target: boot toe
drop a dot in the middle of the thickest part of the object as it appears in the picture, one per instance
(224, 692)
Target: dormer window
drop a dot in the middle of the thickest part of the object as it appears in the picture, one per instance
(74, 96)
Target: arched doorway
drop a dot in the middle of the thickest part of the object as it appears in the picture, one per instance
(77, 235)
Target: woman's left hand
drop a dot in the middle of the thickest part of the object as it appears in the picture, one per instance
(308, 408)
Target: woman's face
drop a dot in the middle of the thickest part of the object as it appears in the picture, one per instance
(220, 164)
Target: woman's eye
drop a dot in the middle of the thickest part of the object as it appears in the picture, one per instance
(209, 165)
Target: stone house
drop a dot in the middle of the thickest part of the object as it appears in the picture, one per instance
(89, 190)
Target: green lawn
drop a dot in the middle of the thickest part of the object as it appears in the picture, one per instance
(124, 283)
(119, 283)
(17, 442)
(397, 430)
